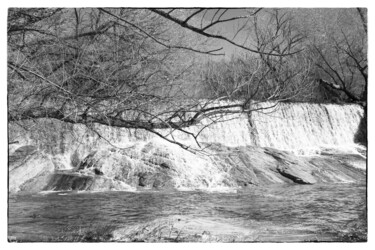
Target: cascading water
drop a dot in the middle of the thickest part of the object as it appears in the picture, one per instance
(302, 128)
(307, 127)
(285, 126)
(143, 159)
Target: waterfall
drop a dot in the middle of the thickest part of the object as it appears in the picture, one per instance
(240, 150)
(303, 128)
(307, 127)
(286, 126)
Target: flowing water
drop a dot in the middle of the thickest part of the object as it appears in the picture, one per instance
(302, 127)
(306, 126)
(274, 213)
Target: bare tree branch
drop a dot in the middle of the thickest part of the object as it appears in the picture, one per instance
(210, 52)
(361, 13)
(202, 31)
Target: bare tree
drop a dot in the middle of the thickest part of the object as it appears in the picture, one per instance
(261, 76)
(128, 68)
(205, 27)
(115, 67)
(342, 62)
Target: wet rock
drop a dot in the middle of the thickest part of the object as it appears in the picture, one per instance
(339, 168)
(142, 180)
(31, 175)
(21, 154)
(171, 167)
(37, 183)
(292, 167)
(75, 159)
(162, 180)
(155, 180)
(243, 173)
(165, 165)
(68, 181)
(299, 176)
(98, 172)
(88, 162)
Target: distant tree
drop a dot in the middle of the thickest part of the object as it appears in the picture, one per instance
(322, 53)
(205, 21)
(339, 52)
(261, 76)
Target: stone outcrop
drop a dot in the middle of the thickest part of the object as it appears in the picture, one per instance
(69, 180)
(160, 165)
(29, 172)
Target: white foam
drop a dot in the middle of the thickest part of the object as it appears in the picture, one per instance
(307, 128)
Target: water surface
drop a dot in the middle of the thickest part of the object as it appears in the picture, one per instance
(275, 213)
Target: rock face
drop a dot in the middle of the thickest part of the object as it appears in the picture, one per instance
(29, 172)
(160, 165)
(68, 180)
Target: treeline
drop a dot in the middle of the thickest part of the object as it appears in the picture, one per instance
(331, 65)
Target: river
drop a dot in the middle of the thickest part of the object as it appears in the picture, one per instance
(275, 213)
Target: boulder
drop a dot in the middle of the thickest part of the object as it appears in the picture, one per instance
(21, 155)
(30, 173)
(296, 173)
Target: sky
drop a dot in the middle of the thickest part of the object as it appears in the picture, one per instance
(228, 29)
(317, 22)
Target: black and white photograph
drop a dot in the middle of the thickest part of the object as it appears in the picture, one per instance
(187, 124)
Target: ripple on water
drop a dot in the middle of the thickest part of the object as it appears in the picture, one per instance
(275, 213)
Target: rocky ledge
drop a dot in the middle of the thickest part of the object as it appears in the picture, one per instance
(158, 165)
